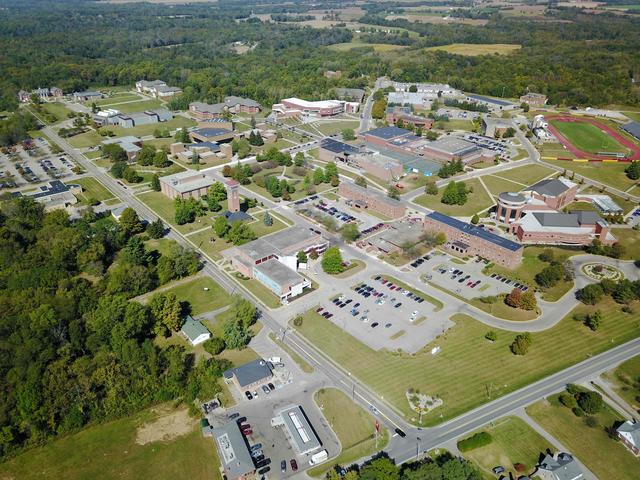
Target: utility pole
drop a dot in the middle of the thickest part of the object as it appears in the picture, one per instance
(418, 447)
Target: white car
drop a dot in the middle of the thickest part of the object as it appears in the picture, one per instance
(414, 313)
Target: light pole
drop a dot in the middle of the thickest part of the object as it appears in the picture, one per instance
(418, 447)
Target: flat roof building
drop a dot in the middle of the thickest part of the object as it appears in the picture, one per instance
(369, 198)
(250, 375)
(534, 99)
(495, 127)
(210, 134)
(233, 451)
(298, 430)
(632, 129)
(449, 147)
(319, 108)
(350, 94)
(130, 144)
(557, 228)
(187, 184)
(204, 111)
(490, 102)
(55, 195)
(374, 163)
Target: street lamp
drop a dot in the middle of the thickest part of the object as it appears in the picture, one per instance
(418, 447)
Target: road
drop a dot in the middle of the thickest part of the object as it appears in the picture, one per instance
(402, 449)
(365, 118)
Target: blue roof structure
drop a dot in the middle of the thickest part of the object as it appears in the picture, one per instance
(387, 133)
(55, 186)
(211, 132)
(632, 129)
(336, 146)
(213, 146)
(495, 101)
(475, 231)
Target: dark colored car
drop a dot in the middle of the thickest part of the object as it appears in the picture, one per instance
(283, 466)
(264, 470)
(294, 465)
(233, 415)
(400, 432)
(374, 324)
(248, 395)
(271, 387)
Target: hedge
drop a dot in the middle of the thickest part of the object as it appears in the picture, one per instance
(475, 441)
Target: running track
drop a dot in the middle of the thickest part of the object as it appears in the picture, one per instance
(635, 155)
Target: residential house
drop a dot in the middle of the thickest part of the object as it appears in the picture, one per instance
(629, 435)
(559, 467)
(194, 331)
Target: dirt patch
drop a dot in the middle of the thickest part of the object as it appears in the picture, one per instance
(165, 428)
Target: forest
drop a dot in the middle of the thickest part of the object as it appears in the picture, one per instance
(574, 58)
(75, 347)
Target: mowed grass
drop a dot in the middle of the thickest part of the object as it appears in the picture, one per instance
(630, 240)
(164, 207)
(497, 185)
(626, 379)
(513, 442)
(587, 137)
(58, 109)
(527, 175)
(475, 49)
(609, 173)
(86, 139)
(92, 188)
(109, 451)
(331, 128)
(477, 201)
(469, 370)
(141, 106)
(354, 427)
(605, 457)
(531, 265)
(199, 299)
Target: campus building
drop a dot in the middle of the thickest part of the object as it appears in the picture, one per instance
(250, 375)
(556, 193)
(211, 135)
(56, 195)
(534, 99)
(233, 451)
(394, 236)
(495, 127)
(371, 162)
(205, 150)
(404, 115)
(130, 144)
(156, 88)
(296, 107)
(468, 240)
(557, 228)
(371, 199)
(187, 184)
(114, 117)
(43, 94)
(272, 260)
(492, 103)
(86, 95)
(242, 105)
(350, 94)
(434, 89)
(298, 430)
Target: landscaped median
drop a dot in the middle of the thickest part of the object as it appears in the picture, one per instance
(469, 370)
(437, 304)
(354, 427)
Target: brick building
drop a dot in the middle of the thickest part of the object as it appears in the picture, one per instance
(557, 228)
(188, 184)
(374, 163)
(468, 240)
(321, 108)
(371, 199)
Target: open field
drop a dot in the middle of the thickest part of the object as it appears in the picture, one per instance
(162, 245)
(261, 229)
(626, 379)
(498, 185)
(587, 137)
(142, 130)
(531, 265)
(331, 128)
(86, 139)
(164, 207)
(630, 240)
(528, 174)
(609, 173)
(477, 201)
(354, 427)
(58, 109)
(554, 150)
(209, 243)
(605, 457)
(474, 49)
(199, 299)
(117, 98)
(91, 188)
(449, 125)
(469, 370)
(131, 107)
(513, 442)
(377, 47)
(113, 451)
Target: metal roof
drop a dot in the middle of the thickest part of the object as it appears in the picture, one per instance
(193, 328)
(551, 187)
(495, 101)
(387, 133)
(336, 146)
(475, 231)
(211, 132)
(301, 433)
(250, 373)
(233, 450)
(633, 129)
(279, 273)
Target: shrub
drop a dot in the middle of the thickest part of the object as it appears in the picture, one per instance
(590, 402)
(591, 294)
(215, 345)
(521, 344)
(478, 440)
(568, 400)
(298, 321)
(591, 422)
(578, 412)
(491, 335)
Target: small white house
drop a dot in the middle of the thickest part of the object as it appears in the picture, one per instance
(194, 331)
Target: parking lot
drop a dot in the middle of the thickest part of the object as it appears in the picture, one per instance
(338, 210)
(382, 314)
(466, 280)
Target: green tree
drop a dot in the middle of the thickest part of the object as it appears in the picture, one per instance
(221, 226)
(267, 219)
(591, 402)
(332, 262)
(318, 176)
(361, 181)
(299, 159)
(590, 294)
(431, 188)
(350, 232)
(593, 320)
(167, 312)
(475, 219)
(455, 193)
(633, 170)
(521, 344)
(118, 169)
(380, 469)
(302, 257)
(155, 183)
(215, 345)
(240, 233)
(130, 222)
(393, 192)
(348, 134)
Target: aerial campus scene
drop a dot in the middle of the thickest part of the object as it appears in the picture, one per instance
(335, 239)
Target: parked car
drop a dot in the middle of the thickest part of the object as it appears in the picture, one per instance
(271, 387)
(283, 466)
(233, 416)
(248, 395)
(266, 390)
(374, 324)
(294, 465)
(264, 470)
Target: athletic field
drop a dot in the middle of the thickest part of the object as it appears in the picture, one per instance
(587, 137)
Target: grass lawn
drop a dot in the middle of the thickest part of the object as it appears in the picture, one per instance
(301, 362)
(58, 109)
(513, 442)
(587, 137)
(474, 49)
(355, 266)
(605, 457)
(477, 201)
(354, 427)
(498, 185)
(609, 173)
(140, 106)
(627, 381)
(261, 229)
(160, 142)
(144, 130)
(92, 188)
(163, 207)
(200, 300)
(209, 243)
(94, 155)
(469, 370)
(109, 451)
(331, 128)
(117, 98)
(162, 245)
(531, 265)
(554, 150)
(630, 240)
(527, 175)
(466, 125)
(86, 139)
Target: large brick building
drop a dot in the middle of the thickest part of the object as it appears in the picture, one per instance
(371, 199)
(188, 184)
(374, 163)
(469, 240)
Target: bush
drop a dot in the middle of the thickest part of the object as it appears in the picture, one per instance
(578, 412)
(591, 422)
(491, 335)
(521, 344)
(215, 345)
(478, 440)
(298, 321)
(591, 294)
(590, 402)
(568, 400)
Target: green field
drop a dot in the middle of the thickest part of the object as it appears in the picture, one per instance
(466, 125)
(469, 370)
(261, 292)
(531, 265)
(587, 137)
(58, 109)
(200, 300)
(474, 49)
(626, 379)
(261, 229)
(527, 175)
(117, 98)
(331, 128)
(498, 185)
(163, 207)
(354, 427)
(630, 240)
(605, 457)
(609, 173)
(110, 452)
(513, 442)
(91, 188)
(477, 201)
(162, 245)
(141, 106)
(87, 139)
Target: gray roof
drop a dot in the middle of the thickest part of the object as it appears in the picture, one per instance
(357, 94)
(453, 145)
(279, 273)
(234, 453)
(280, 242)
(188, 181)
(301, 432)
(563, 466)
(387, 133)
(207, 108)
(193, 328)
(551, 187)
(373, 193)
(633, 428)
(567, 220)
(151, 83)
(245, 102)
(250, 373)
(495, 101)
(513, 197)
(633, 129)
(211, 132)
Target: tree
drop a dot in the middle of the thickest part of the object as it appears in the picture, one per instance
(330, 172)
(302, 257)
(524, 106)
(430, 188)
(146, 155)
(393, 192)
(348, 134)
(633, 170)
(114, 152)
(361, 181)
(156, 229)
(167, 312)
(267, 219)
(514, 299)
(118, 169)
(332, 262)
(318, 176)
(509, 132)
(431, 135)
(155, 183)
(590, 294)
(236, 335)
(215, 345)
(380, 469)
(240, 233)
(130, 222)
(221, 226)
(350, 232)
(591, 402)
(528, 301)
(475, 219)
(593, 320)
(491, 336)
(455, 193)
(521, 344)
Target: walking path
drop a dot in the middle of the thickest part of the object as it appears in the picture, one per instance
(614, 399)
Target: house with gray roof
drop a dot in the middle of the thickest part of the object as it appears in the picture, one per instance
(250, 375)
(562, 466)
(233, 451)
(629, 435)
(194, 331)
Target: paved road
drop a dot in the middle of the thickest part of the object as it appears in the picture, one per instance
(365, 118)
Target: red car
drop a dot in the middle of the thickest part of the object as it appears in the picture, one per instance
(294, 465)
(248, 432)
